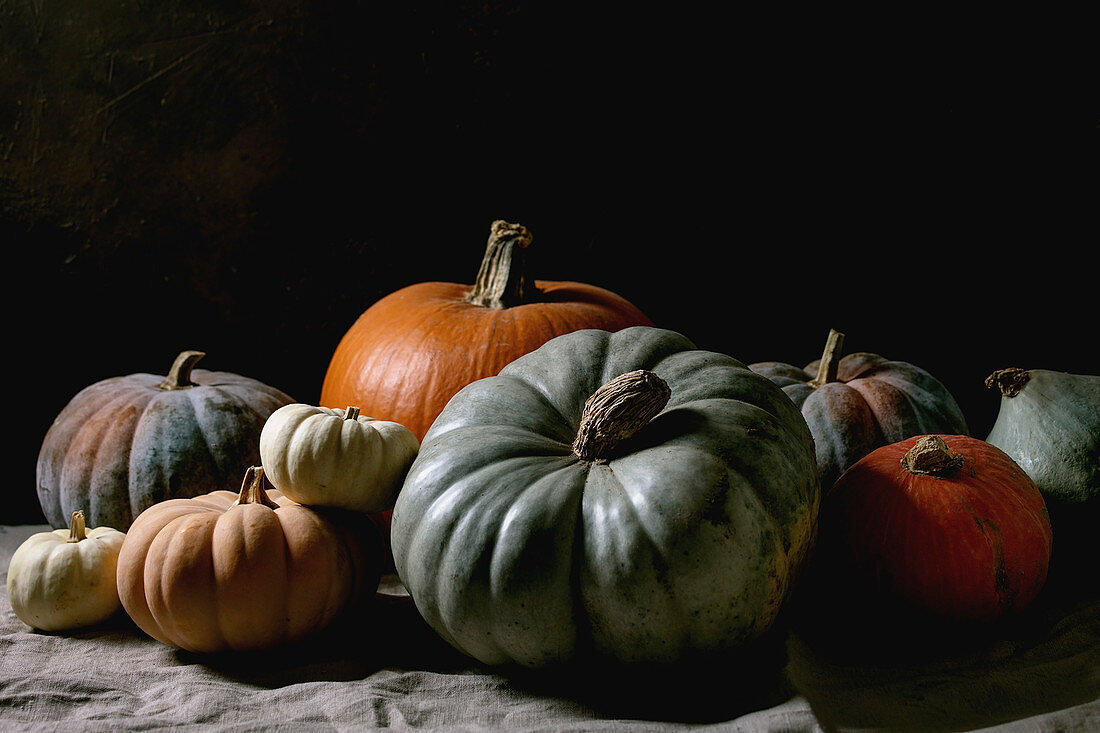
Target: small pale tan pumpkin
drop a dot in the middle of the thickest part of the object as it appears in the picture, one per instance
(320, 456)
(254, 570)
(65, 579)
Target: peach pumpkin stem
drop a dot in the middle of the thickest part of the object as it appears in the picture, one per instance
(253, 488)
(830, 359)
(502, 279)
(179, 376)
(77, 527)
(617, 410)
(930, 456)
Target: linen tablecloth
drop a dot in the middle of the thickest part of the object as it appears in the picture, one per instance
(381, 666)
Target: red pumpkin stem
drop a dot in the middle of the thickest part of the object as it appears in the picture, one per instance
(502, 279)
(77, 527)
(930, 456)
(830, 359)
(179, 376)
(351, 413)
(252, 488)
(617, 410)
(1010, 381)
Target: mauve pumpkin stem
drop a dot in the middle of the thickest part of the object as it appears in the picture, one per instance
(351, 413)
(617, 410)
(179, 376)
(830, 359)
(930, 456)
(77, 527)
(1010, 381)
(502, 279)
(252, 488)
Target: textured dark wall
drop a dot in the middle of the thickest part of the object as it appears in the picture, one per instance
(245, 178)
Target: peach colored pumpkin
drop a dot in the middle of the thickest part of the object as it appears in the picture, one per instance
(253, 570)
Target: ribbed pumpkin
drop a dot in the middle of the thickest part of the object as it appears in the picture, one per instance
(126, 443)
(620, 497)
(861, 401)
(946, 526)
(243, 571)
(412, 350)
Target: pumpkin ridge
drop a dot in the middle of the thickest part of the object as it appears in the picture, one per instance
(100, 440)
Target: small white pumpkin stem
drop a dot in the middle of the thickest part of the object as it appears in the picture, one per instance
(502, 278)
(351, 413)
(930, 456)
(252, 489)
(617, 410)
(179, 376)
(77, 527)
(830, 359)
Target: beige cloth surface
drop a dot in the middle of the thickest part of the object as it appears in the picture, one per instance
(381, 667)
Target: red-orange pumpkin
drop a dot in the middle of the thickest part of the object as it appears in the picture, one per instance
(410, 352)
(948, 526)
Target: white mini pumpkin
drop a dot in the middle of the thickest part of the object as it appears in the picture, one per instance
(65, 579)
(321, 456)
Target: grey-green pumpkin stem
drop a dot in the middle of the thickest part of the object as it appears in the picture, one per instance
(77, 527)
(930, 456)
(1010, 381)
(179, 376)
(502, 279)
(252, 488)
(617, 410)
(830, 359)
(351, 413)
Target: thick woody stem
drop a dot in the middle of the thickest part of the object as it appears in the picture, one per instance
(1010, 381)
(253, 488)
(930, 456)
(76, 527)
(830, 359)
(502, 279)
(179, 376)
(617, 410)
(351, 413)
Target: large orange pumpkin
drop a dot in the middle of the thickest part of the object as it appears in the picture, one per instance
(410, 352)
(236, 572)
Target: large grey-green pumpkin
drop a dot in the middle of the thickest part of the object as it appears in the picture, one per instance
(125, 443)
(531, 530)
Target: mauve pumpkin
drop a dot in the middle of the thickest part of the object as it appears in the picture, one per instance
(126, 443)
(411, 351)
(861, 401)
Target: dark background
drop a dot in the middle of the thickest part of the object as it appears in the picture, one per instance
(245, 178)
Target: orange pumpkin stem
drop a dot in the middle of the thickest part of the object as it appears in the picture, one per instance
(617, 410)
(252, 489)
(502, 279)
(930, 456)
(830, 359)
(77, 527)
(179, 376)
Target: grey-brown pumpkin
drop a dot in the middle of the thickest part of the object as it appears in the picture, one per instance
(862, 401)
(125, 443)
